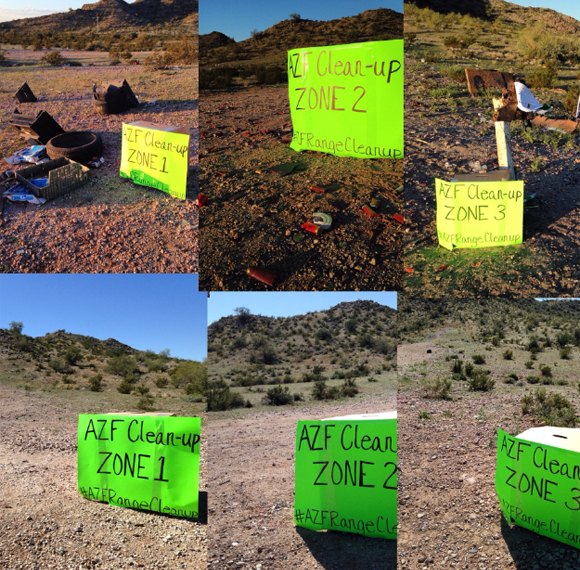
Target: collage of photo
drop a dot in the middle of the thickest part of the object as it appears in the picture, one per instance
(290, 285)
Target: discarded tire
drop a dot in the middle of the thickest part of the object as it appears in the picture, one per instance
(81, 146)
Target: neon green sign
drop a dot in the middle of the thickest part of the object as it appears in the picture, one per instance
(156, 156)
(348, 100)
(141, 462)
(479, 214)
(346, 476)
(538, 487)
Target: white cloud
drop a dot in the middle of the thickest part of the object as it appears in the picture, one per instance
(8, 14)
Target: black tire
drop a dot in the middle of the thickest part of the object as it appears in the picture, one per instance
(81, 146)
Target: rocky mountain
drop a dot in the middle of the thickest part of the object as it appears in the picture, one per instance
(273, 43)
(248, 349)
(110, 15)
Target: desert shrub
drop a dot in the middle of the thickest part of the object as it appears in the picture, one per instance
(481, 381)
(457, 367)
(534, 43)
(155, 365)
(478, 359)
(565, 353)
(320, 391)
(16, 327)
(436, 388)
(468, 369)
(533, 346)
(162, 382)
(240, 342)
(73, 355)
(349, 389)
(351, 325)
(2, 58)
(216, 77)
(124, 366)
(278, 396)
(146, 402)
(60, 365)
(570, 100)
(508, 355)
(543, 76)
(125, 387)
(323, 334)
(533, 379)
(529, 364)
(96, 383)
(511, 378)
(191, 376)
(53, 58)
(219, 397)
(383, 346)
(546, 371)
(270, 74)
(552, 409)
(295, 17)
(365, 340)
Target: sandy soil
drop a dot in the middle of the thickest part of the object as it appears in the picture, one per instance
(108, 225)
(449, 515)
(251, 495)
(253, 216)
(47, 524)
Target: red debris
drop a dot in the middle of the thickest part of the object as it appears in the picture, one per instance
(201, 200)
(261, 275)
(318, 189)
(310, 227)
(409, 270)
(399, 218)
(441, 268)
(369, 212)
(246, 134)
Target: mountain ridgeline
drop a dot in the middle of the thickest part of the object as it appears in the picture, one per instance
(251, 349)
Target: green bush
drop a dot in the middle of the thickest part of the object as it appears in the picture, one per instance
(546, 371)
(73, 355)
(53, 58)
(436, 388)
(320, 391)
(481, 381)
(278, 396)
(60, 365)
(191, 376)
(533, 379)
(565, 353)
(543, 77)
(125, 387)
(511, 378)
(478, 359)
(124, 366)
(552, 409)
(508, 355)
(219, 397)
(529, 364)
(96, 383)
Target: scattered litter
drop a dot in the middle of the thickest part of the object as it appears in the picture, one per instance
(40, 127)
(96, 163)
(318, 189)
(398, 218)
(201, 200)
(369, 212)
(30, 154)
(20, 194)
(409, 270)
(441, 268)
(322, 220)
(375, 202)
(310, 227)
(25, 94)
(80, 146)
(113, 99)
(261, 275)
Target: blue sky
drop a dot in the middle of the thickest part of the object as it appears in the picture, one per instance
(144, 311)
(237, 19)
(273, 304)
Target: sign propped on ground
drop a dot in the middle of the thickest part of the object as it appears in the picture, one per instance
(537, 481)
(146, 462)
(480, 213)
(156, 156)
(348, 100)
(346, 475)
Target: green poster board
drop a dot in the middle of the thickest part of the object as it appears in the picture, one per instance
(479, 214)
(538, 487)
(155, 156)
(142, 462)
(348, 100)
(346, 476)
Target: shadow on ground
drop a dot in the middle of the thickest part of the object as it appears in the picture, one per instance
(339, 550)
